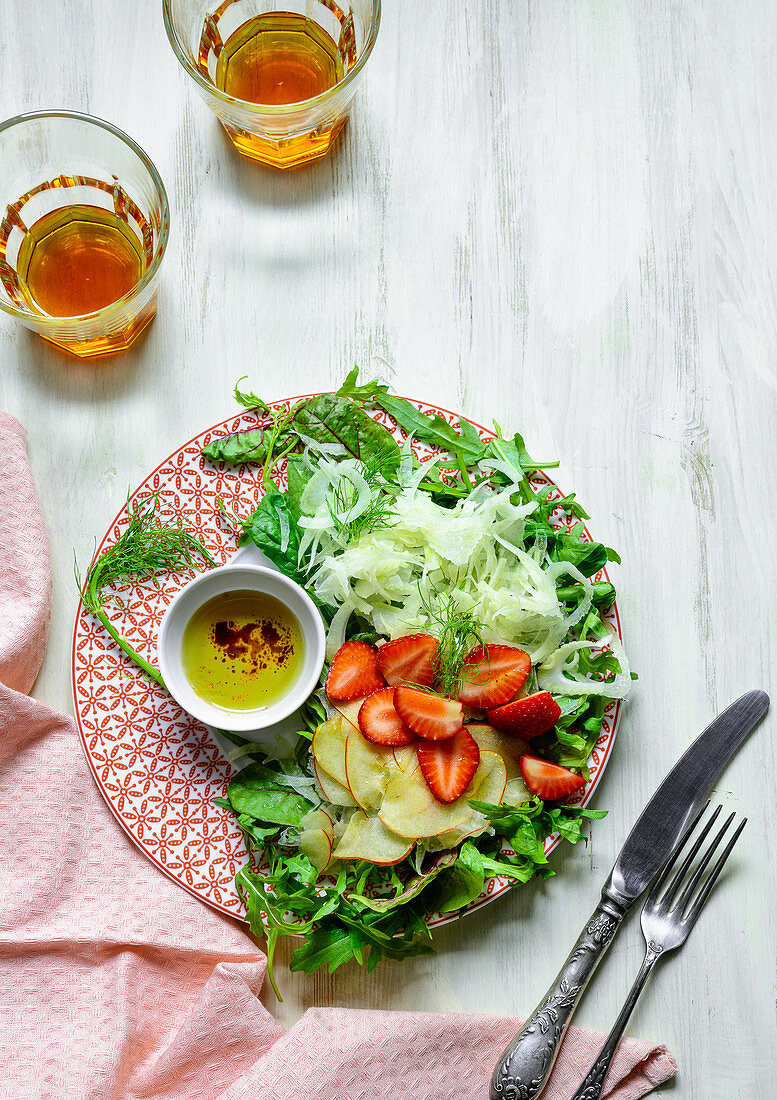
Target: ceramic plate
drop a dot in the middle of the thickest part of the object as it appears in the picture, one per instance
(159, 769)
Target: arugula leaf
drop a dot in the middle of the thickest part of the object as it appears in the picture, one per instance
(433, 429)
(462, 884)
(513, 451)
(237, 448)
(274, 530)
(249, 399)
(256, 792)
(330, 418)
(364, 392)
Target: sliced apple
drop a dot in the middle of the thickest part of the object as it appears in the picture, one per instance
(368, 838)
(405, 757)
(316, 838)
(509, 748)
(410, 809)
(333, 791)
(516, 792)
(328, 748)
(350, 710)
(368, 769)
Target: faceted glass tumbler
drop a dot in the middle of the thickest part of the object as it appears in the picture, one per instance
(281, 135)
(52, 160)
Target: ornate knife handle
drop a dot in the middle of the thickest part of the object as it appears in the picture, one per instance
(525, 1065)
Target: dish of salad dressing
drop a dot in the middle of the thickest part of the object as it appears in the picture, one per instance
(242, 650)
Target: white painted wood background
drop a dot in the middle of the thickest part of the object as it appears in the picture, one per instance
(559, 214)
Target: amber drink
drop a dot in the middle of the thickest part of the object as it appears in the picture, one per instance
(83, 230)
(280, 81)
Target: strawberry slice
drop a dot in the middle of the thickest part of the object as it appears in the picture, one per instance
(493, 674)
(353, 672)
(408, 660)
(428, 715)
(527, 717)
(379, 721)
(548, 780)
(448, 766)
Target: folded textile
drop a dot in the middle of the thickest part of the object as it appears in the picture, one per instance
(119, 984)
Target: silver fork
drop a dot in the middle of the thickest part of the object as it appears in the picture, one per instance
(668, 915)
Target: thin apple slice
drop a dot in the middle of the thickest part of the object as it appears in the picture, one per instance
(316, 838)
(368, 838)
(328, 748)
(350, 710)
(488, 782)
(511, 749)
(405, 757)
(368, 769)
(516, 792)
(410, 809)
(333, 791)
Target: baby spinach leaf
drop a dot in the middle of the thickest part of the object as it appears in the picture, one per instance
(274, 530)
(254, 791)
(461, 885)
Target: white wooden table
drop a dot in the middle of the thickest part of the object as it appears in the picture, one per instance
(562, 215)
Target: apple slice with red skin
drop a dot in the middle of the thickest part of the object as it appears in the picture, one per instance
(316, 838)
(368, 838)
(333, 791)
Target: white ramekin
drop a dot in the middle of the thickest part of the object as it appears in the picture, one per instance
(240, 576)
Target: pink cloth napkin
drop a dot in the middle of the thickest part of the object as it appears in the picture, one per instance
(116, 983)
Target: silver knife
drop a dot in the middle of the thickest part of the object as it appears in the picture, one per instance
(525, 1065)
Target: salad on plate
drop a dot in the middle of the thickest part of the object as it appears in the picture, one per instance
(471, 660)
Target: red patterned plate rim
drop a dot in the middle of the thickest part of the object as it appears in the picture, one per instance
(160, 845)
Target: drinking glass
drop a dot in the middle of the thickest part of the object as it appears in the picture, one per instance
(283, 135)
(51, 161)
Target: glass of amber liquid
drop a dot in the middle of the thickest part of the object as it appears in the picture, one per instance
(85, 222)
(281, 82)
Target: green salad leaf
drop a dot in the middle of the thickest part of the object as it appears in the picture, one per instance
(273, 528)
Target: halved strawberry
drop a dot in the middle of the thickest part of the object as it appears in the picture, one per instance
(448, 766)
(492, 674)
(408, 660)
(527, 717)
(548, 780)
(428, 715)
(379, 721)
(353, 672)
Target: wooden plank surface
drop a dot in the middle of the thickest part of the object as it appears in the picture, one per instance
(561, 215)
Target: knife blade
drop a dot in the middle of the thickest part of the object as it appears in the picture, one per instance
(525, 1065)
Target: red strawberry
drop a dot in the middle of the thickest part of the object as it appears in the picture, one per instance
(549, 780)
(448, 766)
(527, 717)
(494, 676)
(379, 721)
(428, 715)
(353, 672)
(408, 660)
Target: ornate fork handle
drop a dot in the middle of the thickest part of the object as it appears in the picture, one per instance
(525, 1065)
(591, 1088)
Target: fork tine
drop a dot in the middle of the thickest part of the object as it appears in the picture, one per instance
(683, 901)
(672, 889)
(692, 913)
(666, 870)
